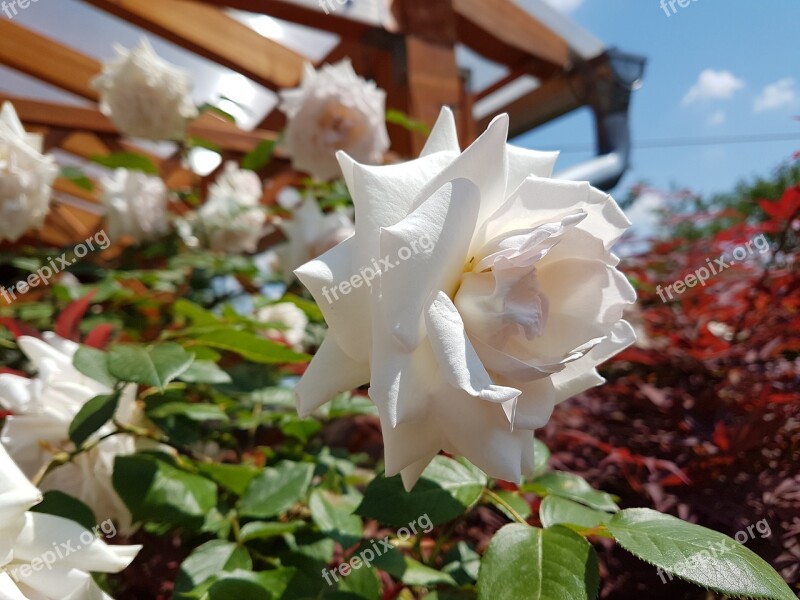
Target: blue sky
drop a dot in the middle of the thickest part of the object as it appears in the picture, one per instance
(715, 68)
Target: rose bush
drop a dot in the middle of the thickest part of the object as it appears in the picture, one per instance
(469, 341)
(43, 408)
(144, 95)
(334, 109)
(26, 177)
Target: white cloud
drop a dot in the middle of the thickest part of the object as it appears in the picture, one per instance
(776, 95)
(718, 118)
(713, 85)
(566, 6)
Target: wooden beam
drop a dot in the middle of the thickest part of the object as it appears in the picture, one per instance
(209, 32)
(302, 15)
(208, 126)
(554, 98)
(47, 60)
(506, 33)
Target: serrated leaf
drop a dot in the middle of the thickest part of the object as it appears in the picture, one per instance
(528, 563)
(159, 493)
(263, 530)
(409, 571)
(541, 457)
(209, 560)
(60, 504)
(572, 487)
(251, 347)
(204, 371)
(446, 489)
(234, 478)
(156, 366)
(333, 515)
(92, 416)
(93, 363)
(276, 489)
(241, 584)
(560, 511)
(697, 554)
(515, 501)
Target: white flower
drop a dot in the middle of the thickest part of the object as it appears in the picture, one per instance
(233, 217)
(44, 557)
(292, 319)
(334, 109)
(137, 205)
(144, 95)
(498, 297)
(44, 406)
(26, 177)
(311, 233)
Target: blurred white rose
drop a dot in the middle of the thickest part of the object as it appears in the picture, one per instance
(293, 322)
(44, 557)
(144, 95)
(232, 216)
(26, 177)
(496, 297)
(136, 204)
(311, 233)
(43, 408)
(334, 109)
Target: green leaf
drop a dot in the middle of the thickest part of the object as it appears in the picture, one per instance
(556, 510)
(276, 489)
(234, 478)
(155, 366)
(397, 117)
(697, 554)
(92, 416)
(334, 516)
(194, 312)
(241, 584)
(445, 490)
(190, 410)
(198, 142)
(127, 160)
(204, 371)
(157, 492)
(217, 111)
(209, 560)
(518, 503)
(541, 457)
(93, 363)
(462, 563)
(260, 157)
(410, 571)
(62, 505)
(251, 347)
(571, 487)
(528, 563)
(263, 530)
(78, 177)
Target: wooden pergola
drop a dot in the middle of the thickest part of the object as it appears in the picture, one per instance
(412, 56)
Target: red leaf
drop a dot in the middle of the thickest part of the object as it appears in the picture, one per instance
(99, 336)
(19, 329)
(68, 322)
(720, 436)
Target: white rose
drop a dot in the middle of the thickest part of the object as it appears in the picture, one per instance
(44, 557)
(43, 408)
(136, 205)
(310, 233)
(334, 109)
(498, 297)
(232, 217)
(144, 95)
(26, 177)
(292, 319)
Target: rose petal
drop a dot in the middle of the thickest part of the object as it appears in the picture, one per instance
(444, 136)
